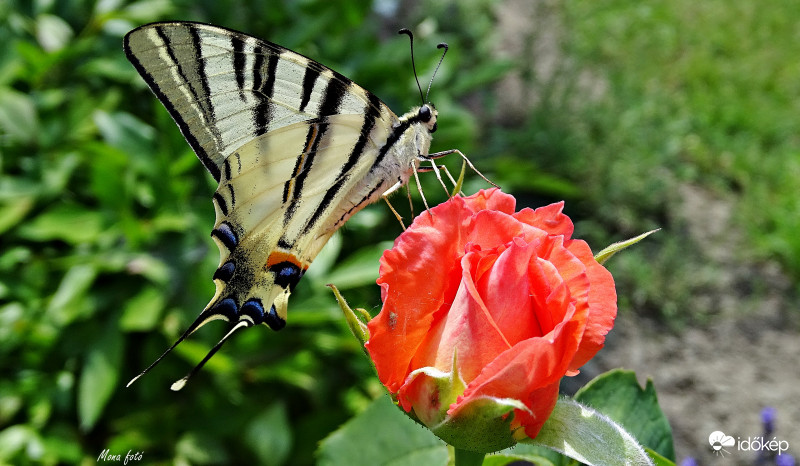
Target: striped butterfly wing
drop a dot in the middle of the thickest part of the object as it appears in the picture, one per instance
(296, 148)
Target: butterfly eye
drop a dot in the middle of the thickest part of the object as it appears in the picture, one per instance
(425, 114)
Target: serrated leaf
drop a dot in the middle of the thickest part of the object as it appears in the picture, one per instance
(606, 253)
(382, 434)
(618, 395)
(99, 376)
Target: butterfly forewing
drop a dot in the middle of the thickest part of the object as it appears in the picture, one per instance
(296, 148)
(223, 87)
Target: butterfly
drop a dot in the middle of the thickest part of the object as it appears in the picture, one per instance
(296, 148)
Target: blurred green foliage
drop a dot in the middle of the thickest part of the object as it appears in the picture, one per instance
(105, 212)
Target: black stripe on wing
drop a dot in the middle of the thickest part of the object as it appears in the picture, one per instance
(309, 79)
(239, 64)
(264, 87)
(205, 159)
(370, 118)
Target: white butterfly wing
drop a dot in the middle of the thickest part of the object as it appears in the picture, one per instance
(296, 148)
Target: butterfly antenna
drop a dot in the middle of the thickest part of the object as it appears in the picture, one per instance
(413, 66)
(180, 383)
(444, 46)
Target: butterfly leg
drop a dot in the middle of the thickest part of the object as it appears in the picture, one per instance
(434, 168)
(396, 215)
(446, 172)
(471, 166)
(410, 202)
(419, 188)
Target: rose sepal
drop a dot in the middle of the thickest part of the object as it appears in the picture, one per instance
(482, 424)
(604, 255)
(588, 436)
(358, 328)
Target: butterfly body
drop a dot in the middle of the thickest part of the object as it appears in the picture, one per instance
(296, 148)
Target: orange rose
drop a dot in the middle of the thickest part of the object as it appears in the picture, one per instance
(485, 305)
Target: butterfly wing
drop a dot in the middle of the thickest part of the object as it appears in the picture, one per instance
(296, 148)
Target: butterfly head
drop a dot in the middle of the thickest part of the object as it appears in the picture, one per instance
(427, 115)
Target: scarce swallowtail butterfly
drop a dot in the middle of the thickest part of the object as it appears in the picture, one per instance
(296, 148)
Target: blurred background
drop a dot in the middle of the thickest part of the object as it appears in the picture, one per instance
(679, 115)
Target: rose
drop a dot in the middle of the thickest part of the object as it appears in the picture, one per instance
(484, 310)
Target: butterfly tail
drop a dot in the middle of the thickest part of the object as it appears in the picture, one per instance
(225, 309)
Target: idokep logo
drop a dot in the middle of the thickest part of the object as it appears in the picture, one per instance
(719, 441)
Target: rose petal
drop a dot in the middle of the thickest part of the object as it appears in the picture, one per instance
(549, 218)
(602, 302)
(467, 321)
(415, 277)
(491, 199)
(526, 370)
(508, 295)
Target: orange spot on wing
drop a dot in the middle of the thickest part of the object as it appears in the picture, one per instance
(277, 256)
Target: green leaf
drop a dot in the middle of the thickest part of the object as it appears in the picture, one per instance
(12, 212)
(197, 447)
(532, 453)
(658, 460)
(360, 268)
(606, 253)
(618, 395)
(69, 223)
(19, 438)
(382, 434)
(68, 302)
(125, 132)
(99, 377)
(270, 435)
(18, 118)
(588, 436)
(52, 32)
(143, 312)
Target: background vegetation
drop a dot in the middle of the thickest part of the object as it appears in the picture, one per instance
(105, 213)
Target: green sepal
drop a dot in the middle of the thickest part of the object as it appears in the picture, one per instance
(357, 326)
(609, 251)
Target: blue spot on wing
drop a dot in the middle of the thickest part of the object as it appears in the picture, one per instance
(225, 272)
(274, 320)
(287, 274)
(226, 308)
(224, 232)
(253, 308)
